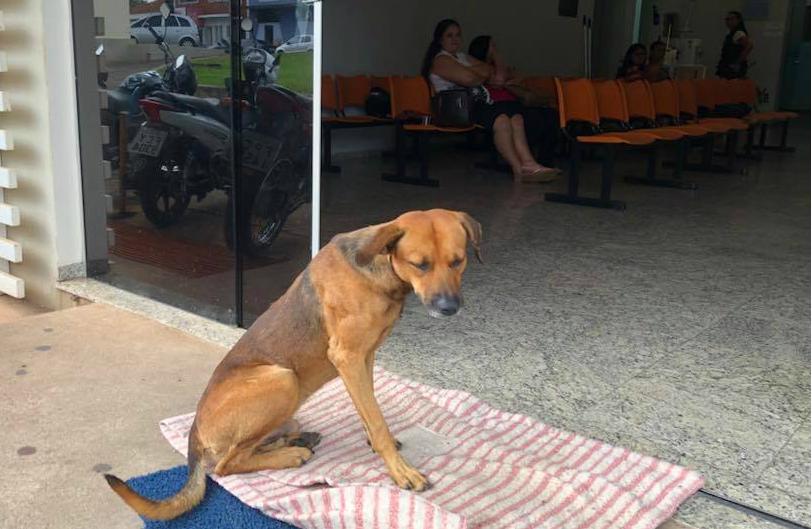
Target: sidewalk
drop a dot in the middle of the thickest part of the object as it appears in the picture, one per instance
(81, 393)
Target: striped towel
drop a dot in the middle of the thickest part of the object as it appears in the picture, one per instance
(489, 469)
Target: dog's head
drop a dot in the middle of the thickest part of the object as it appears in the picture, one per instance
(427, 249)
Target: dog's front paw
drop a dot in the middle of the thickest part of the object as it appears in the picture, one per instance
(407, 477)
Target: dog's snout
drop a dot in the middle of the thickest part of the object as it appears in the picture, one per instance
(447, 305)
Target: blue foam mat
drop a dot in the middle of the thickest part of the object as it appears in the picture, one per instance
(218, 510)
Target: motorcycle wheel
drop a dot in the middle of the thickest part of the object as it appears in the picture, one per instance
(265, 210)
(161, 188)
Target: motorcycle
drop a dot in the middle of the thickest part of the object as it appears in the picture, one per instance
(183, 150)
(178, 76)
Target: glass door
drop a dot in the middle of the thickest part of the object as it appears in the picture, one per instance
(274, 192)
(204, 198)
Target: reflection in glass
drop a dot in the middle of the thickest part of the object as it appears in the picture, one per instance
(168, 152)
(165, 68)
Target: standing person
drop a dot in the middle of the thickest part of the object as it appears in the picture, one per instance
(541, 122)
(633, 66)
(447, 67)
(735, 48)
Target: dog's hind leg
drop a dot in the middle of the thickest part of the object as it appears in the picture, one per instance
(248, 459)
(246, 420)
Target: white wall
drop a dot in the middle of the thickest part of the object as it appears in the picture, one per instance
(390, 36)
(63, 119)
(116, 14)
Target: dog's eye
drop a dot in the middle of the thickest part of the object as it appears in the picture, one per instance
(422, 266)
(456, 263)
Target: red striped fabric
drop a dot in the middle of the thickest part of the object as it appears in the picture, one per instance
(495, 470)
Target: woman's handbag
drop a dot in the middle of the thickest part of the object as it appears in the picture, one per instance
(453, 108)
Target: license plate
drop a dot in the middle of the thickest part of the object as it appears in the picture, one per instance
(147, 141)
(259, 152)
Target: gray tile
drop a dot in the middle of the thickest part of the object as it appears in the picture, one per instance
(761, 383)
(777, 501)
(703, 513)
(726, 444)
(790, 470)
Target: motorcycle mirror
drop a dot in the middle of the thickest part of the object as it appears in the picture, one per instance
(179, 61)
(247, 25)
(165, 11)
(100, 50)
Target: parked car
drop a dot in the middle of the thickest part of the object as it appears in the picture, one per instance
(179, 29)
(297, 44)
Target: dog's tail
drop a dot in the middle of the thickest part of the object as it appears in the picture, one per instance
(188, 497)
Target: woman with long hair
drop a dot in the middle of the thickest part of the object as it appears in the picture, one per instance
(735, 48)
(633, 66)
(447, 67)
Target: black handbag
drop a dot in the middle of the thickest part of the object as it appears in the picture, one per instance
(454, 108)
(378, 103)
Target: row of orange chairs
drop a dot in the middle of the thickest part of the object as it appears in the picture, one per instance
(631, 113)
(610, 114)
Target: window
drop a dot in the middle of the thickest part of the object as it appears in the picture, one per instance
(184, 22)
(294, 40)
(138, 23)
(155, 21)
(172, 22)
(306, 40)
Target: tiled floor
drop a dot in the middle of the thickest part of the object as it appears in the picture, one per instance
(679, 327)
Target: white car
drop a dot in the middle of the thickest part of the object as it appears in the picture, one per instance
(297, 44)
(179, 29)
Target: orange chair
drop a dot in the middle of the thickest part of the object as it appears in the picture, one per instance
(580, 122)
(667, 107)
(339, 94)
(643, 114)
(329, 98)
(688, 91)
(745, 91)
(641, 93)
(411, 110)
(379, 81)
(614, 114)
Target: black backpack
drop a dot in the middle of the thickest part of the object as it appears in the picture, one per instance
(378, 103)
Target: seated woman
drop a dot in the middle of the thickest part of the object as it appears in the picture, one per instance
(633, 67)
(446, 68)
(655, 69)
(541, 121)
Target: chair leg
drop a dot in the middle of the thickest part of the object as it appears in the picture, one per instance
(731, 144)
(328, 150)
(651, 169)
(572, 197)
(608, 171)
(781, 147)
(423, 154)
(421, 145)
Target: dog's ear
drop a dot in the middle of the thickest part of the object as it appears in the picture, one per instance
(381, 242)
(474, 231)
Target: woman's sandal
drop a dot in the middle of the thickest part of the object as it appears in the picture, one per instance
(541, 175)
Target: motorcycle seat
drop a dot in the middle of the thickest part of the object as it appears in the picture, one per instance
(209, 107)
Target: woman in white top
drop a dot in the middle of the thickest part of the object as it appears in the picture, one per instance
(735, 48)
(447, 67)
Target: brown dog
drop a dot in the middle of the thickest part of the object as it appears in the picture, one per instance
(329, 323)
